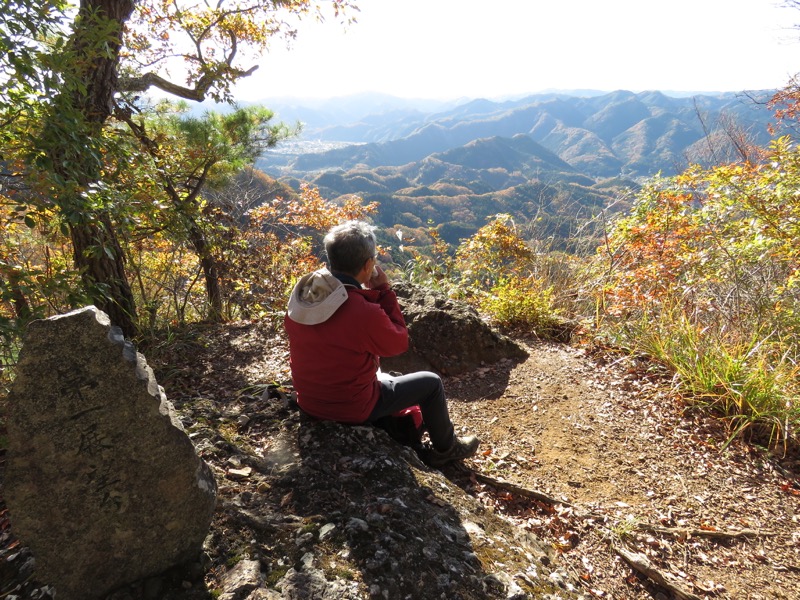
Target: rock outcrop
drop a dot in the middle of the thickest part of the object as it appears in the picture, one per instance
(446, 336)
(344, 512)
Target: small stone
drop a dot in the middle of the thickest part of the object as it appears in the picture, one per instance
(326, 531)
(243, 578)
(558, 579)
(307, 560)
(493, 583)
(470, 558)
(304, 538)
(374, 518)
(430, 553)
(378, 560)
(235, 474)
(355, 525)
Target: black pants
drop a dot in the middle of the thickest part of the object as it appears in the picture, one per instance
(425, 389)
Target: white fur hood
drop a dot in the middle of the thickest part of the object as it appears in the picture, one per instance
(316, 297)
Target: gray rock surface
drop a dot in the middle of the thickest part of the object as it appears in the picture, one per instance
(446, 336)
(241, 580)
(102, 482)
(342, 512)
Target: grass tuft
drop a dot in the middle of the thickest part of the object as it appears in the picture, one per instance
(752, 382)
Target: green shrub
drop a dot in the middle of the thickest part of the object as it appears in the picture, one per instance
(515, 302)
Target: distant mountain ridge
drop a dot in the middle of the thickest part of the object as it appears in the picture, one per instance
(552, 160)
(616, 134)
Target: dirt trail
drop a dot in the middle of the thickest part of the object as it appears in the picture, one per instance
(604, 435)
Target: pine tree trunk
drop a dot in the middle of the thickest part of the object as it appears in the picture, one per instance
(96, 250)
(210, 272)
(100, 260)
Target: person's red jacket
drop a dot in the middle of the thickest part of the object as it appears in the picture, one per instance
(337, 334)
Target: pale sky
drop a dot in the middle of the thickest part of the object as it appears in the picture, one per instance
(447, 49)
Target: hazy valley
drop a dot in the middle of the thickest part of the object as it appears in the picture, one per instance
(552, 160)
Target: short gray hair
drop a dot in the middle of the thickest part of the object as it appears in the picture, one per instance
(349, 246)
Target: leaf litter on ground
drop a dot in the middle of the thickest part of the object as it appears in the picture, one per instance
(585, 449)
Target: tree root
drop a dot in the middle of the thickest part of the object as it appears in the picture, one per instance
(714, 534)
(516, 489)
(640, 563)
(680, 532)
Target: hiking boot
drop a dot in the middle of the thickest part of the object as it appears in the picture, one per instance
(463, 447)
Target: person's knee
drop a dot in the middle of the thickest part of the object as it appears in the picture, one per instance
(431, 379)
(430, 376)
(434, 388)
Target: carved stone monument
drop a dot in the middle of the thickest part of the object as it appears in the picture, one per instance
(102, 483)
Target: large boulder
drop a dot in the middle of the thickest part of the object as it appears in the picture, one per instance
(101, 481)
(446, 336)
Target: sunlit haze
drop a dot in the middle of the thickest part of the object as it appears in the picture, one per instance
(446, 49)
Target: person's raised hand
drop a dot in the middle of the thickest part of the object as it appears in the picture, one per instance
(378, 278)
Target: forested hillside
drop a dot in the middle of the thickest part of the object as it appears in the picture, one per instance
(609, 135)
(552, 159)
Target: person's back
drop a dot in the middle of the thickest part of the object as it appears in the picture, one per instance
(339, 323)
(335, 355)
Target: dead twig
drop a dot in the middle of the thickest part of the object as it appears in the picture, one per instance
(269, 522)
(640, 563)
(714, 534)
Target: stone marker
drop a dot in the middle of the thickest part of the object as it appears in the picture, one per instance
(102, 483)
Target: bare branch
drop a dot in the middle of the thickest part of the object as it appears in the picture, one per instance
(706, 132)
(197, 93)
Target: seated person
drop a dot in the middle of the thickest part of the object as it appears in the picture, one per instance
(340, 322)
